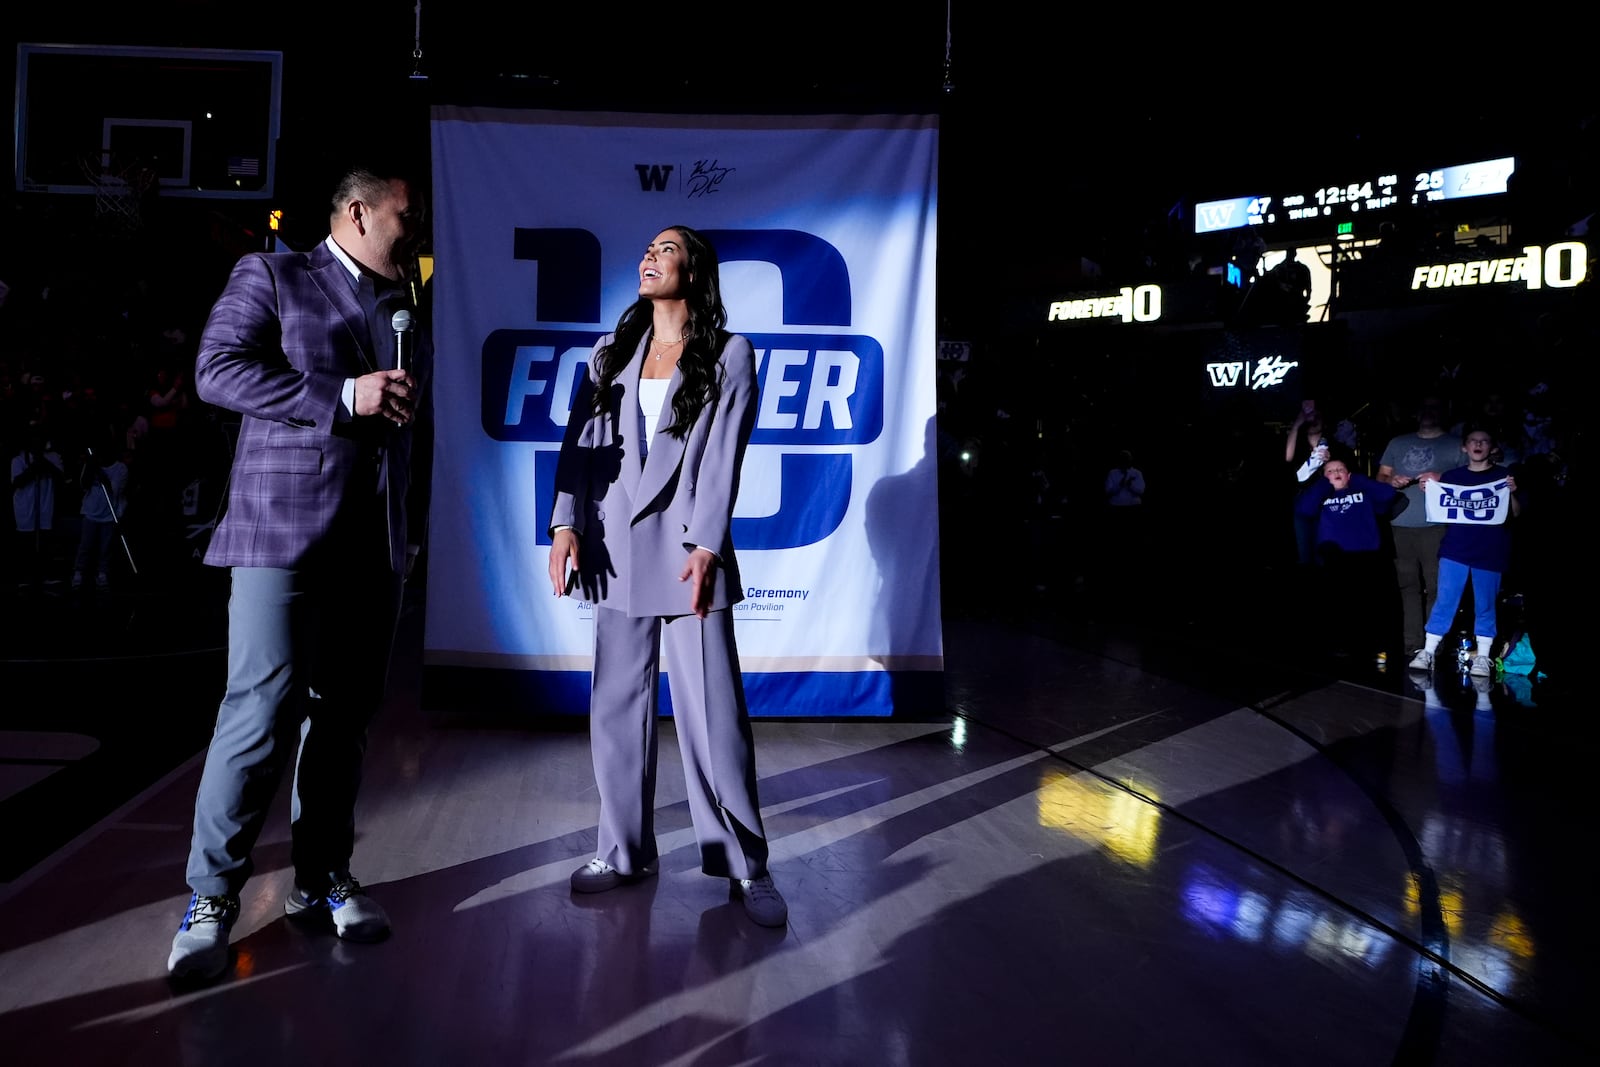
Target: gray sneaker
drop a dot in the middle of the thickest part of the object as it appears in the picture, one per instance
(1482, 667)
(762, 901)
(200, 949)
(355, 915)
(1422, 661)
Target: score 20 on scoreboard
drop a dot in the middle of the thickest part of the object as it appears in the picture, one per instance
(1336, 203)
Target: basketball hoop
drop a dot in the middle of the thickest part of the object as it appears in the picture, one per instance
(120, 184)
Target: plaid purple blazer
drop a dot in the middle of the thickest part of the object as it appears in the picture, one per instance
(279, 343)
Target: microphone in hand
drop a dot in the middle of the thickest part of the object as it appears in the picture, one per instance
(404, 354)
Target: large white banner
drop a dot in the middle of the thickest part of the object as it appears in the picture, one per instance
(826, 230)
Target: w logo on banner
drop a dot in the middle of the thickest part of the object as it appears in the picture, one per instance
(653, 176)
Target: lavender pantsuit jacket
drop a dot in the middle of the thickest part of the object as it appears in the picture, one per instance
(638, 517)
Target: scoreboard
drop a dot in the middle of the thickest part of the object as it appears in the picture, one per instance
(1372, 194)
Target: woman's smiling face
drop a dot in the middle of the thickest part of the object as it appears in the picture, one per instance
(664, 270)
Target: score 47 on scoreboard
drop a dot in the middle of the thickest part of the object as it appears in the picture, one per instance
(1341, 202)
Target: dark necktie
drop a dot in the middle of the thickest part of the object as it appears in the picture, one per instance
(380, 302)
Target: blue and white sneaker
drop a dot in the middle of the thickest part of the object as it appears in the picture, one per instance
(355, 916)
(200, 949)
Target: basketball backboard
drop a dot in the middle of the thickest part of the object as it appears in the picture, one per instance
(204, 123)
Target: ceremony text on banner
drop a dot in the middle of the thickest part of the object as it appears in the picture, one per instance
(1484, 505)
(825, 227)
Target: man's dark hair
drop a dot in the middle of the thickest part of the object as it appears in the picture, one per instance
(367, 181)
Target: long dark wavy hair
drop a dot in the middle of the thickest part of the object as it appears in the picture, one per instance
(703, 337)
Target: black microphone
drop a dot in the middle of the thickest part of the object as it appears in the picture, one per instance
(402, 340)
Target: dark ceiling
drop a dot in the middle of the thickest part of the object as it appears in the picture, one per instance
(1066, 132)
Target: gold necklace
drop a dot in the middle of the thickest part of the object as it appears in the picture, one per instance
(665, 344)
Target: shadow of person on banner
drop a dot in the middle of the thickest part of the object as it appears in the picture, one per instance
(903, 535)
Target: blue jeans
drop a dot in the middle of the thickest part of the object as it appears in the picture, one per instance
(1452, 582)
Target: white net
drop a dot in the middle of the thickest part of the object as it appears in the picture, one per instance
(120, 184)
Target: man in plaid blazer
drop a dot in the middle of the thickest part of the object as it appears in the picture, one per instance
(326, 503)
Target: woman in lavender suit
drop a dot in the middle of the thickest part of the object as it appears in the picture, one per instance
(645, 488)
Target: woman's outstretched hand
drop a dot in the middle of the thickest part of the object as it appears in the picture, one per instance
(698, 572)
(563, 551)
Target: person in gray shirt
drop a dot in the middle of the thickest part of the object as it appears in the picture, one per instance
(1407, 458)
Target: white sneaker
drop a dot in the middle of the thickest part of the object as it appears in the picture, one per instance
(200, 948)
(1422, 661)
(762, 901)
(1481, 667)
(597, 876)
(355, 915)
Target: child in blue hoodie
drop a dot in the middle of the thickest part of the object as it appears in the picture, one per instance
(1349, 508)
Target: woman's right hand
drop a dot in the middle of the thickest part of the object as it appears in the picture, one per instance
(563, 554)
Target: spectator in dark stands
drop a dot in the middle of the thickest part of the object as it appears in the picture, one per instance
(1124, 483)
(1125, 529)
(1349, 509)
(1289, 284)
(1479, 551)
(1309, 446)
(105, 501)
(35, 471)
(162, 460)
(1428, 450)
(167, 399)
